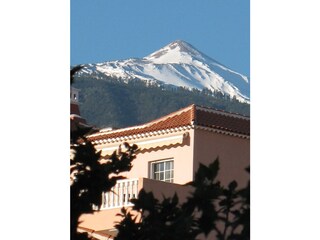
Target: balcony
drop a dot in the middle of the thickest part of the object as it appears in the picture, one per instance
(127, 189)
(120, 194)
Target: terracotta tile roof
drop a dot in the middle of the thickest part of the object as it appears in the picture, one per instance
(222, 120)
(190, 116)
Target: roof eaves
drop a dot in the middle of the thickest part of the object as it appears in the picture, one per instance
(141, 135)
(223, 131)
(221, 112)
(102, 135)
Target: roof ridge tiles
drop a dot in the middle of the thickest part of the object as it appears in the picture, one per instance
(191, 115)
(188, 108)
(148, 124)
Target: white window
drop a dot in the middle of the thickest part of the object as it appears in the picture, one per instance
(162, 170)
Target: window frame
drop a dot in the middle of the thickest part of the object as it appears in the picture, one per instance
(152, 171)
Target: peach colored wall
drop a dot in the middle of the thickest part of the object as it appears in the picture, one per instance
(200, 146)
(100, 220)
(180, 153)
(233, 153)
(161, 189)
(106, 219)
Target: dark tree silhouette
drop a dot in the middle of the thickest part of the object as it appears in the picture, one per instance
(90, 176)
(211, 208)
(73, 72)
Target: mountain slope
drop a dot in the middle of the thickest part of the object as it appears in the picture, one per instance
(177, 64)
(114, 103)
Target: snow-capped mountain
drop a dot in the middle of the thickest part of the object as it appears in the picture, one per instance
(179, 64)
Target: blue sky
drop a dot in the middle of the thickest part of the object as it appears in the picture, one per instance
(103, 30)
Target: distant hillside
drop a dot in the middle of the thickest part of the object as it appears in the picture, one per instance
(113, 103)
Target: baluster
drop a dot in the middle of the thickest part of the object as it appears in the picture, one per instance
(112, 197)
(136, 188)
(121, 194)
(103, 205)
(127, 193)
(118, 191)
(108, 199)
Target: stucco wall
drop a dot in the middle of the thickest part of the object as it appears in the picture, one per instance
(180, 153)
(100, 220)
(233, 153)
(106, 219)
(199, 146)
(161, 189)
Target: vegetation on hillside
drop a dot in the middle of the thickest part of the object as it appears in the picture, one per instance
(110, 102)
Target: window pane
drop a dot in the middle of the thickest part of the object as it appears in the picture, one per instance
(156, 167)
(168, 175)
(161, 176)
(156, 176)
(168, 165)
(161, 165)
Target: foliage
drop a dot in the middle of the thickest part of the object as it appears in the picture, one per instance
(90, 176)
(211, 209)
(104, 101)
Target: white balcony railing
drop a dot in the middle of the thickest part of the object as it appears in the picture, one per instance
(120, 194)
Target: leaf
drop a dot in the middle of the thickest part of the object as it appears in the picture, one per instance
(233, 185)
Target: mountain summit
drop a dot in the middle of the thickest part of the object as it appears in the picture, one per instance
(176, 52)
(178, 64)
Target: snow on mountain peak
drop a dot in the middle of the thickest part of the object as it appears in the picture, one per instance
(180, 64)
(176, 52)
(184, 47)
